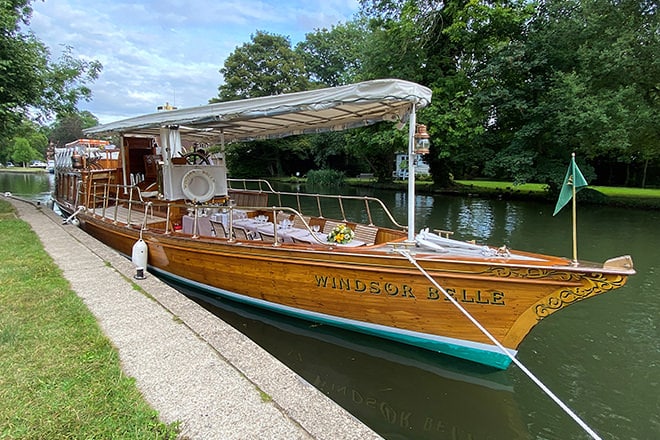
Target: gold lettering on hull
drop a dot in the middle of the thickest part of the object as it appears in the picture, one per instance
(385, 288)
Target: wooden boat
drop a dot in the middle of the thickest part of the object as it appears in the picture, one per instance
(160, 199)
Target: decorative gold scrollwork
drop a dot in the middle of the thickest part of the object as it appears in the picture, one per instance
(596, 284)
(532, 273)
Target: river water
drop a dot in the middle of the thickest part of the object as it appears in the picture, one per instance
(601, 357)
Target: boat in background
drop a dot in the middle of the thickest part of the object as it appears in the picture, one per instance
(161, 199)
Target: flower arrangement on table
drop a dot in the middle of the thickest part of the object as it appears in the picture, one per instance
(341, 234)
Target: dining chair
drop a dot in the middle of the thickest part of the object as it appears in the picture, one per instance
(282, 216)
(301, 222)
(329, 226)
(241, 234)
(267, 238)
(218, 229)
(366, 234)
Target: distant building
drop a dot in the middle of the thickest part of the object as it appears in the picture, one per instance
(401, 166)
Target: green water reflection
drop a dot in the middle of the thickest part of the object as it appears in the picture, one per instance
(34, 186)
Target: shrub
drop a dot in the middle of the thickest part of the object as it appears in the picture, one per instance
(325, 177)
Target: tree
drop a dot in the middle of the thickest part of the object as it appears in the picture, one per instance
(266, 66)
(573, 76)
(498, 84)
(410, 40)
(334, 57)
(69, 127)
(22, 152)
(31, 85)
(377, 146)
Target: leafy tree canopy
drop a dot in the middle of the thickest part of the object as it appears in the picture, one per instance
(69, 127)
(266, 66)
(31, 84)
(562, 76)
(334, 57)
(517, 86)
(22, 151)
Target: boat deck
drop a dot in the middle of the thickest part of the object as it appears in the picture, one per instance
(120, 214)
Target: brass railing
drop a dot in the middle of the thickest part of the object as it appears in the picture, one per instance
(112, 199)
(263, 186)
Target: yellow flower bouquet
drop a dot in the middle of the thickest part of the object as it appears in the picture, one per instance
(341, 234)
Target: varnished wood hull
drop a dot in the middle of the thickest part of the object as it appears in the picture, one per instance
(374, 291)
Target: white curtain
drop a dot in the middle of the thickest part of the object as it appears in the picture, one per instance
(170, 140)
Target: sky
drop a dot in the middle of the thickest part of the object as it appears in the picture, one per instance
(168, 51)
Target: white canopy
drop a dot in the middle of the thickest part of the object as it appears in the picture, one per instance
(313, 111)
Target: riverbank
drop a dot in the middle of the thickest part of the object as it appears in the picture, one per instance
(22, 170)
(203, 377)
(593, 195)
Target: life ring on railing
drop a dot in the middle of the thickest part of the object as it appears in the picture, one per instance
(198, 185)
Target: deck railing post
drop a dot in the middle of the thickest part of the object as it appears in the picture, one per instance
(167, 219)
(318, 203)
(104, 205)
(92, 196)
(341, 208)
(231, 238)
(116, 204)
(276, 241)
(130, 207)
(195, 217)
(366, 206)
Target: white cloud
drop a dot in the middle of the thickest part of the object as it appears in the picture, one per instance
(157, 51)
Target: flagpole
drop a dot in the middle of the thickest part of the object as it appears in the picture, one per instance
(575, 258)
(573, 182)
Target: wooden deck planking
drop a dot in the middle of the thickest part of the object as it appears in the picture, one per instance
(121, 215)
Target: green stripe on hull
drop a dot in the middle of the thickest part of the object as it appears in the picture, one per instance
(477, 352)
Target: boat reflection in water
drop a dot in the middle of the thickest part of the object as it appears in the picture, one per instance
(399, 391)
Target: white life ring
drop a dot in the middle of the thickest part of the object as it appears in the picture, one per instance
(198, 185)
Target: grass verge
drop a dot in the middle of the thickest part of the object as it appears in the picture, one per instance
(60, 377)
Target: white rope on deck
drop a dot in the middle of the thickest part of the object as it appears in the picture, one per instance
(520, 365)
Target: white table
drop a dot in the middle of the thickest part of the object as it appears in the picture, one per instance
(286, 235)
(203, 225)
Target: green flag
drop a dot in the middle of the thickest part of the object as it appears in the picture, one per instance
(573, 178)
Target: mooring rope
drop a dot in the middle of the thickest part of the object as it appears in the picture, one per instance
(520, 365)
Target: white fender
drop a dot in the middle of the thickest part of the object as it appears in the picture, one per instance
(198, 185)
(140, 254)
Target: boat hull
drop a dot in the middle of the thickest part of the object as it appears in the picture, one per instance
(373, 292)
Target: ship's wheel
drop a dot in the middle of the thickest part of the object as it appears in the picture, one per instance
(197, 157)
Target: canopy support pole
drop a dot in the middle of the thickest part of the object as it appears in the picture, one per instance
(575, 256)
(412, 122)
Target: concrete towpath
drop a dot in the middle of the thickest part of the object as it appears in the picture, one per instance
(190, 366)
